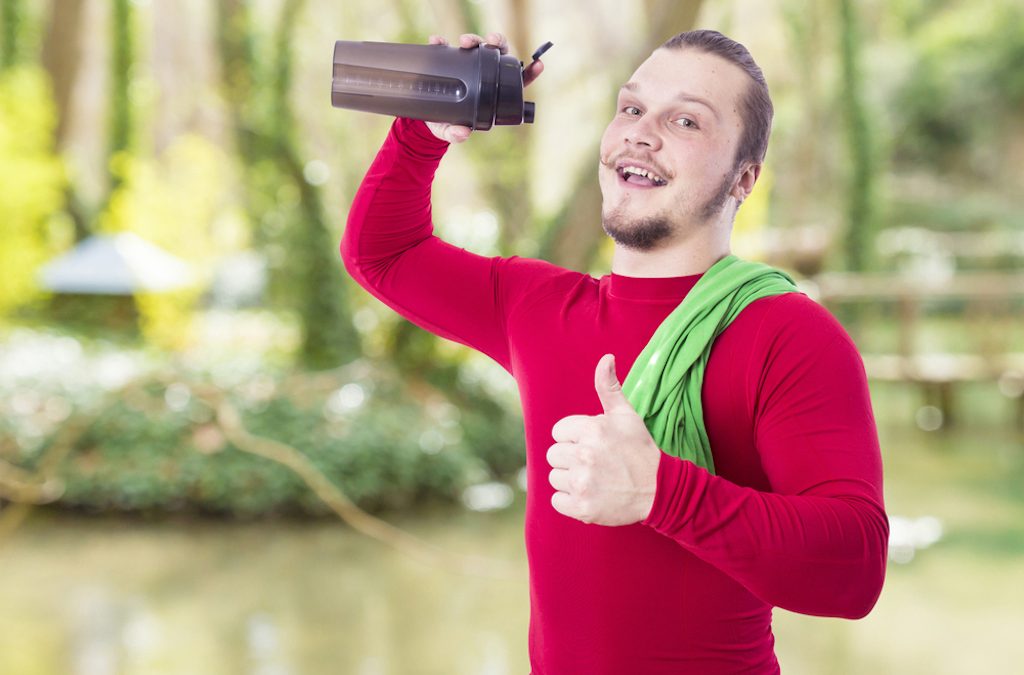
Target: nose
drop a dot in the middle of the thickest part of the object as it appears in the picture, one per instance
(642, 132)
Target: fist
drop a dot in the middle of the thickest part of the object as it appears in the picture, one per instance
(604, 468)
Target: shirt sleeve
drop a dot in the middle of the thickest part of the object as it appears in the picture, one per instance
(817, 542)
(390, 249)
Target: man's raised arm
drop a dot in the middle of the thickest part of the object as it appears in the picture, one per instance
(390, 249)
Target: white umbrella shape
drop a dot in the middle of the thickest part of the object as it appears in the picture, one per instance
(116, 264)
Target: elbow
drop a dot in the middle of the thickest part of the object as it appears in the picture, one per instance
(349, 247)
(863, 602)
(350, 259)
(879, 562)
(356, 270)
(865, 599)
(864, 594)
(849, 595)
(346, 250)
(847, 587)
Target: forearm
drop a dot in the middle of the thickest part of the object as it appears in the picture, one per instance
(822, 553)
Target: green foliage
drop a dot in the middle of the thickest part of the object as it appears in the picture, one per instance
(144, 455)
(11, 25)
(965, 86)
(31, 182)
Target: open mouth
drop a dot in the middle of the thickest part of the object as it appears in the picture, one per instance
(637, 178)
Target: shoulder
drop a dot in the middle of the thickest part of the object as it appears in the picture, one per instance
(533, 267)
(800, 357)
(794, 321)
(527, 281)
(537, 273)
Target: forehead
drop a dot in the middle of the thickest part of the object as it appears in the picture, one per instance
(670, 73)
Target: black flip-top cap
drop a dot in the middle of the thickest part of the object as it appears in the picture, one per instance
(543, 48)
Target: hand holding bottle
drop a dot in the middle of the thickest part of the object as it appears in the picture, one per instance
(454, 133)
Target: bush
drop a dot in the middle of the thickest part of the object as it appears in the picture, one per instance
(158, 448)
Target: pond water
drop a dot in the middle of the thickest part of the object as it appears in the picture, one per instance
(97, 596)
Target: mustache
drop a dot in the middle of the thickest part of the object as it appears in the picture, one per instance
(610, 163)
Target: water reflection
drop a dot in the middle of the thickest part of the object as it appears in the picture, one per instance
(263, 643)
(93, 632)
(103, 597)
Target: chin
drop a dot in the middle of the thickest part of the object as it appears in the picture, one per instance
(637, 231)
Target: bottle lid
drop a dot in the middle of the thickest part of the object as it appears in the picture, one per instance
(543, 48)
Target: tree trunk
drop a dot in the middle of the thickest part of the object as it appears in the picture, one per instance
(311, 281)
(122, 62)
(62, 56)
(328, 334)
(860, 186)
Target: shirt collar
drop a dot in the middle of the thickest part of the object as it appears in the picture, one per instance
(652, 288)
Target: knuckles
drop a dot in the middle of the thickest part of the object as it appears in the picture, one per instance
(580, 483)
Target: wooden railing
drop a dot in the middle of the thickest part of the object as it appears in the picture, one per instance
(991, 300)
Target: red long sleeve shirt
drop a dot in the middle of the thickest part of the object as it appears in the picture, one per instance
(794, 516)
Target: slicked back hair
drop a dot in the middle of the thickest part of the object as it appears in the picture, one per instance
(756, 108)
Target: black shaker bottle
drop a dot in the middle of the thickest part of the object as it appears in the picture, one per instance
(477, 87)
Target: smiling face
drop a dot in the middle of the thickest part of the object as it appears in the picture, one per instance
(677, 118)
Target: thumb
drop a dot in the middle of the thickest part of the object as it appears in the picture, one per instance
(608, 388)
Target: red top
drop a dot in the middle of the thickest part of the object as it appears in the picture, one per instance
(794, 517)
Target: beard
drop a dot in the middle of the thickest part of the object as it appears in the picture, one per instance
(645, 233)
(639, 234)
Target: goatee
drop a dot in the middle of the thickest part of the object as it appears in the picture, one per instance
(647, 232)
(643, 234)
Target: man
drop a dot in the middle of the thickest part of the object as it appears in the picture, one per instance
(641, 561)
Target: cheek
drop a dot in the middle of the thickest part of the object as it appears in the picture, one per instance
(608, 139)
(701, 156)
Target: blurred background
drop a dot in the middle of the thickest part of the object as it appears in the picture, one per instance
(192, 388)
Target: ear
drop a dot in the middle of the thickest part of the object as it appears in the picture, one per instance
(745, 183)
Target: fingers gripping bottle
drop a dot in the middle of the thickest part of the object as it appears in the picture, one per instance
(477, 87)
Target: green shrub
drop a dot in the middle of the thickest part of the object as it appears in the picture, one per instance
(143, 455)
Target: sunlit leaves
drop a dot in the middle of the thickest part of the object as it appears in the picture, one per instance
(31, 181)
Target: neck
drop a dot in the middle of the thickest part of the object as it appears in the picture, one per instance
(693, 254)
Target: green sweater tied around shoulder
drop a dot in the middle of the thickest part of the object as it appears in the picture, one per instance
(664, 384)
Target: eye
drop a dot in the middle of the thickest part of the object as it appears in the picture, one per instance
(629, 107)
(690, 123)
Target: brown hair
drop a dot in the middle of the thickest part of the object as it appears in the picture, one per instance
(756, 108)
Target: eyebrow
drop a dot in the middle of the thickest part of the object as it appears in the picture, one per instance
(632, 86)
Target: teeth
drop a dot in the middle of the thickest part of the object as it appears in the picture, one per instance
(645, 173)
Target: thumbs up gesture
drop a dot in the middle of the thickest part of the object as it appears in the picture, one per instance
(604, 468)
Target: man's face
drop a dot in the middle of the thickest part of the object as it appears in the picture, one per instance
(660, 126)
